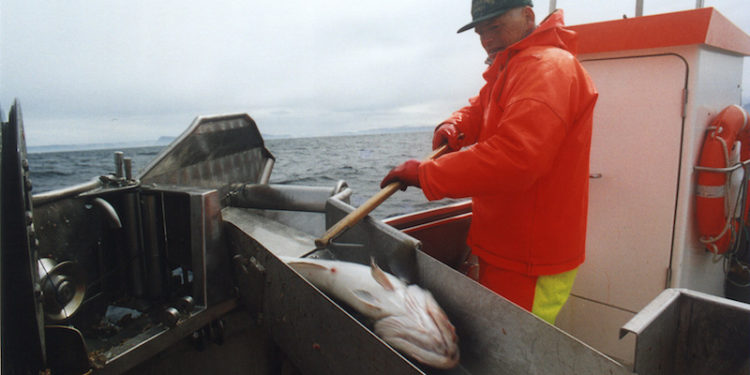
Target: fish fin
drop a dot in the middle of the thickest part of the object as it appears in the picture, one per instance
(367, 299)
(301, 264)
(380, 276)
(308, 268)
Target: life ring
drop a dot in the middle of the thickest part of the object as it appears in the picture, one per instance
(717, 226)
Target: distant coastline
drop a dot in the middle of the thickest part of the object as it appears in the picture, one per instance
(162, 141)
(165, 140)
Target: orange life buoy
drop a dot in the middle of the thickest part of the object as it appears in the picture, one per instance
(716, 224)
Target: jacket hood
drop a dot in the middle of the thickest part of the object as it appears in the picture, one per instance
(550, 32)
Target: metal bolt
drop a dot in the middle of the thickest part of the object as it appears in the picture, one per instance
(186, 304)
(171, 317)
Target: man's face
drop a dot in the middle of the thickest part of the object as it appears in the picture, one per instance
(500, 32)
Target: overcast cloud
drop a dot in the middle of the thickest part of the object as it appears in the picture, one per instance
(120, 71)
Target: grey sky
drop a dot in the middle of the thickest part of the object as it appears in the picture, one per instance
(109, 71)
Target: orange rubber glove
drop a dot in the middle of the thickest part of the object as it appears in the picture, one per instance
(407, 173)
(447, 133)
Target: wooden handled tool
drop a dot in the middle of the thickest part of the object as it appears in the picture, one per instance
(360, 212)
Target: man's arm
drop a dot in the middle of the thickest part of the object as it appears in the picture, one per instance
(542, 101)
(511, 160)
(468, 121)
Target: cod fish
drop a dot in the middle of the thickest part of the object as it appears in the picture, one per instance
(406, 317)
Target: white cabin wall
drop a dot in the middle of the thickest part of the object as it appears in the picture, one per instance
(619, 279)
(636, 149)
(715, 80)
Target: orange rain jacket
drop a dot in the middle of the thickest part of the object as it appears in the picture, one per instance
(527, 171)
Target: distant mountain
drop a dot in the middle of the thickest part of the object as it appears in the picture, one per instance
(276, 136)
(398, 129)
(161, 141)
(165, 140)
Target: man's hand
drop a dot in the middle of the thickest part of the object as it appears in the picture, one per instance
(447, 133)
(407, 173)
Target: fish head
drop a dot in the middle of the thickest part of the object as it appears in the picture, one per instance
(421, 330)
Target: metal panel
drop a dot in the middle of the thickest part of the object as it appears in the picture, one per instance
(322, 338)
(498, 337)
(194, 239)
(315, 333)
(431, 228)
(154, 338)
(596, 322)
(495, 336)
(687, 332)
(392, 250)
(211, 153)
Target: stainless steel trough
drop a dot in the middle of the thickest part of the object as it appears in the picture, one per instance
(320, 336)
(687, 332)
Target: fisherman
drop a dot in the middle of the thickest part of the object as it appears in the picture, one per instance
(527, 167)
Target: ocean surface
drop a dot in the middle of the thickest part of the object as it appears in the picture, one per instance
(362, 161)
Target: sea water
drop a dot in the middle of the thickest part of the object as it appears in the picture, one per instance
(361, 160)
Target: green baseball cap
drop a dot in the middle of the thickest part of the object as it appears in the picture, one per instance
(483, 10)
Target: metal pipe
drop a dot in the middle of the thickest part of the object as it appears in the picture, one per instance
(343, 195)
(552, 5)
(118, 164)
(56, 195)
(281, 197)
(128, 168)
(722, 170)
(340, 186)
(698, 4)
(152, 246)
(266, 176)
(132, 251)
(638, 8)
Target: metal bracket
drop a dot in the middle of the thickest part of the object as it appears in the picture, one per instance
(251, 279)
